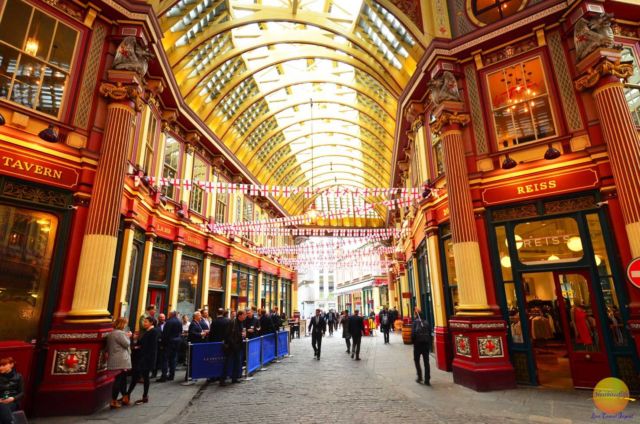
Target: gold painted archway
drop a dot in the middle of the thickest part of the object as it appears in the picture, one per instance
(303, 92)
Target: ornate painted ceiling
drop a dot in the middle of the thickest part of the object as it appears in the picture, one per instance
(304, 92)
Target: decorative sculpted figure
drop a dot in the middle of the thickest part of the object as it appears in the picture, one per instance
(592, 34)
(444, 88)
(132, 56)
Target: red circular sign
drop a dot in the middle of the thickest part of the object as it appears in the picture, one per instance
(633, 272)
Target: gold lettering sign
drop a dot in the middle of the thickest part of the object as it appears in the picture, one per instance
(25, 166)
(536, 187)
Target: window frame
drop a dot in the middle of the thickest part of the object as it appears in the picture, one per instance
(173, 188)
(196, 189)
(634, 49)
(473, 12)
(149, 142)
(74, 63)
(547, 70)
(222, 204)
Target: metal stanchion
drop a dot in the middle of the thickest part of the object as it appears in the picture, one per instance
(288, 355)
(187, 380)
(277, 358)
(262, 368)
(246, 367)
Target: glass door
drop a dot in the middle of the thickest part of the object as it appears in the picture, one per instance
(581, 323)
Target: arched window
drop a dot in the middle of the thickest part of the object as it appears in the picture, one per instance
(489, 11)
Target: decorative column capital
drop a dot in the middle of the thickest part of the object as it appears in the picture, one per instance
(123, 86)
(600, 64)
(448, 118)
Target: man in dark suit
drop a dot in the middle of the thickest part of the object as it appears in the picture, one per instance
(171, 338)
(317, 327)
(277, 320)
(356, 329)
(266, 323)
(233, 349)
(197, 333)
(219, 327)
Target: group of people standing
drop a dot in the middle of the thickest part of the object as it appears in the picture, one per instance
(159, 342)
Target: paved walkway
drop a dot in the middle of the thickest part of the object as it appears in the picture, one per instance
(380, 388)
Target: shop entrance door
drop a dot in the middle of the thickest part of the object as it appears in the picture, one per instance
(564, 328)
(581, 322)
(157, 297)
(215, 301)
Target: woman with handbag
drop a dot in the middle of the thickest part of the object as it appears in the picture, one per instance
(119, 360)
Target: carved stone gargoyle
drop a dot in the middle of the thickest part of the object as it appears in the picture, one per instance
(444, 88)
(132, 56)
(592, 34)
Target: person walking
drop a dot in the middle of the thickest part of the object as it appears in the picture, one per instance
(11, 390)
(147, 347)
(317, 327)
(421, 338)
(331, 317)
(356, 329)
(385, 323)
(172, 340)
(233, 349)
(345, 330)
(119, 360)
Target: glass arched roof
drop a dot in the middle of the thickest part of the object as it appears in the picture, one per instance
(299, 90)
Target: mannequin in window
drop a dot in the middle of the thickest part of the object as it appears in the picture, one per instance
(583, 329)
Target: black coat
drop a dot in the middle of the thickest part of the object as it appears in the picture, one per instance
(233, 337)
(252, 322)
(12, 385)
(147, 350)
(389, 319)
(172, 331)
(319, 327)
(277, 322)
(195, 331)
(356, 326)
(219, 328)
(266, 325)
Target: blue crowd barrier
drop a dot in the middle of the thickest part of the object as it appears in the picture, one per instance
(268, 348)
(283, 343)
(254, 351)
(207, 360)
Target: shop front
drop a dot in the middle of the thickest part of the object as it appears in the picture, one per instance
(285, 297)
(426, 299)
(189, 281)
(217, 279)
(160, 274)
(562, 292)
(269, 291)
(244, 281)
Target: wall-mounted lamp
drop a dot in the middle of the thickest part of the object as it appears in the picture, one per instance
(508, 162)
(552, 153)
(49, 134)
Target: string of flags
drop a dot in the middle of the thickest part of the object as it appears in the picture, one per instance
(412, 193)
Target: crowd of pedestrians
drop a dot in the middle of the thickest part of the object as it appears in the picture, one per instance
(354, 328)
(161, 344)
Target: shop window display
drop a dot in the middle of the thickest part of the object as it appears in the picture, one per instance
(159, 267)
(215, 277)
(36, 53)
(26, 245)
(552, 240)
(520, 103)
(187, 286)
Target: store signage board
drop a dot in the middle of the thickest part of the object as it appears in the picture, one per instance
(36, 169)
(535, 187)
(633, 272)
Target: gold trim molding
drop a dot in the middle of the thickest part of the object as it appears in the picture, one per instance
(603, 69)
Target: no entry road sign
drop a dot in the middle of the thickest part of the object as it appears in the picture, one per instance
(633, 272)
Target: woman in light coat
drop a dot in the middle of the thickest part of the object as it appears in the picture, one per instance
(119, 360)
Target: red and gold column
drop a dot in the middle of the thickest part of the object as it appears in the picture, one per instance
(75, 378)
(481, 359)
(603, 74)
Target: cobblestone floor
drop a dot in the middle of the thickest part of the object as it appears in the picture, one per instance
(380, 388)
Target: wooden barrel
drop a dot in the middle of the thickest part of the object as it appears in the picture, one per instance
(406, 333)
